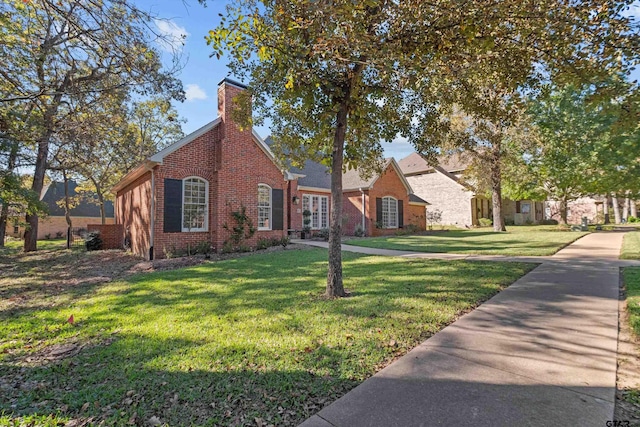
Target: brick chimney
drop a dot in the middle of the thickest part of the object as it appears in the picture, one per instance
(227, 90)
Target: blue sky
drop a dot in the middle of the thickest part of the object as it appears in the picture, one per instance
(201, 74)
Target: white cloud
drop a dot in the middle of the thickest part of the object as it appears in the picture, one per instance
(193, 92)
(172, 36)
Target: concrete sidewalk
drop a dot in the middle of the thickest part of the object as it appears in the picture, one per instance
(541, 352)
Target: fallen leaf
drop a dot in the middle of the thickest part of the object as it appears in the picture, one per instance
(154, 421)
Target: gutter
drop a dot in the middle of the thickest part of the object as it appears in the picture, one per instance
(363, 210)
(153, 211)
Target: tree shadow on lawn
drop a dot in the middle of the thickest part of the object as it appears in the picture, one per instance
(141, 377)
(376, 284)
(251, 336)
(477, 247)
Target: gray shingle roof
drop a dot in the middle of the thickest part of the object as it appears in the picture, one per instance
(415, 164)
(54, 192)
(414, 198)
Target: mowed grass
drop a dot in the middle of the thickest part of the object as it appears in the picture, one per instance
(631, 277)
(631, 246)
(238, 342)
(517, 241)
(12, 246)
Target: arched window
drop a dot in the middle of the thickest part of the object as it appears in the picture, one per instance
(195, 202)
(389, 212)
(264, 207)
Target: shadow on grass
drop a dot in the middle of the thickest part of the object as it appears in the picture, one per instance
(115, 382)
(238, 339)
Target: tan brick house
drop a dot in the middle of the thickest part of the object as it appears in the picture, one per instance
(55, 223)
(445, 190)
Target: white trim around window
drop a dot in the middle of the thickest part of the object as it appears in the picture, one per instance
(264, 207)
(195, 204)
(389, 212)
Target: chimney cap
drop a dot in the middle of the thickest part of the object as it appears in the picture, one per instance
(231, 82)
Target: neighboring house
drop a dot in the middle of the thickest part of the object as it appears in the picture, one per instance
(445, 190)
(188, 193)
(55, 223)
(593, 208)
(388, 200)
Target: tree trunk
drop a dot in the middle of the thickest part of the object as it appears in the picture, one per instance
(31, 232)
(496, 186)
(564, 207)
(335, 287)
(616, 209)
(634, 209)
(626, 207)
(607, 202)
(4, 213)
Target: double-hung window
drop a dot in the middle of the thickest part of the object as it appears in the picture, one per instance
(264, 207)
(194, 204)
(389, 212)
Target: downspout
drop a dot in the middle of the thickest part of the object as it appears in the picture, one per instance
(364, 230)
(153, 213)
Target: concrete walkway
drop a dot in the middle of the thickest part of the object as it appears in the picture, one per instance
(541, 352)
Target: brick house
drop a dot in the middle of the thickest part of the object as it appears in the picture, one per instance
(388, 200)
(188, 193)
(445, 190)
(55, 223)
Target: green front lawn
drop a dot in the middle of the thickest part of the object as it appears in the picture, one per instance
(517, 241)
(631, 246)
(238, 342)
(631, 277)
(15, 245)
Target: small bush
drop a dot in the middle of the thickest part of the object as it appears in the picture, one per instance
(59, 234)
(412, 229)
(323, 234)
(285, 241)
(633, 219)
(93, 242)
(203, 247)
(485, 222)
(47, 236)
(263, 243)
(549, 222)
(509, 221)
(358, 231)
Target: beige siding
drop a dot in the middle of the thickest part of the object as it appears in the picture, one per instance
(445, 195)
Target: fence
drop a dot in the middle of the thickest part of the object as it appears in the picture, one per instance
(111, 235)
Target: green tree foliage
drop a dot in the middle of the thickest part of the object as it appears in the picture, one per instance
(589, 143)
(57, 55)
(336, 78)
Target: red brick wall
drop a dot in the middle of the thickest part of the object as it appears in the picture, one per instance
(244, 166)
(233, 164)
(389, 184)
(111, 234)
(417, 216)
(133, 211)
(195, 159)
(352, 212)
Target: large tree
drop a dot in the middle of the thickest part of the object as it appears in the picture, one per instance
(588, 143)
(336, 78)
(59, 51)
